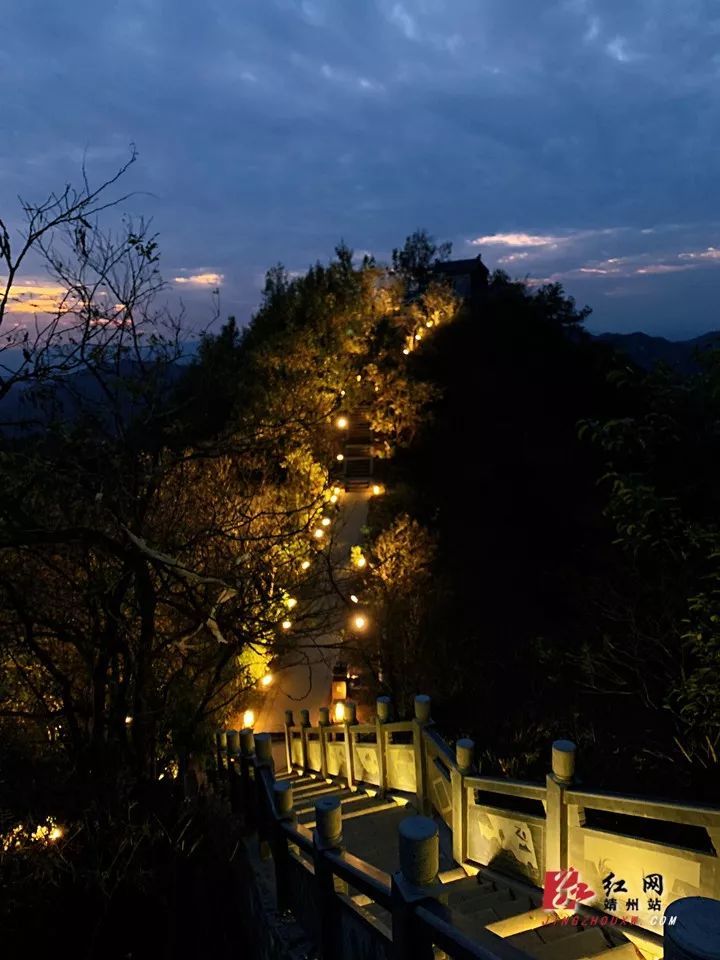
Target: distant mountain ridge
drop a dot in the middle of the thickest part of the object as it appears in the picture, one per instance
(646, 351)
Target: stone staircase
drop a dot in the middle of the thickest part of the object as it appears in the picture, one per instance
(487, 901)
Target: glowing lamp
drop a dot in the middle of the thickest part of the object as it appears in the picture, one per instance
(358, 378)
(333, 499)
(361, 561)
(418, 336)
(339, 457)
(319, 533)
(359, 622)
(377, 490)
(339, 689)
(341, 423)
(291, 602)
(337, 491)
(248, 719)
(353, 598)
(267, 680)
(304, 565)
(286, 624)
(406, 351)
(128, 721)
(56, 833)
(325, 521)
(339, 712)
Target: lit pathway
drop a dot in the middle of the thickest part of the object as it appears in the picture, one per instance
(290, 688)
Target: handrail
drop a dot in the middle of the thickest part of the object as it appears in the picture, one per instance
(299, 835)
(513, 788)
(371, 881)
(643, 807)
(460, 946)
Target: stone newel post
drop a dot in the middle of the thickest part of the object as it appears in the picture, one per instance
(556, 822)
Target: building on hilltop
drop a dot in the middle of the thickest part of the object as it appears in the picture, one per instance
(469, 278)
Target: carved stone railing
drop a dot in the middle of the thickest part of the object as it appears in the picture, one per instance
(624, 848)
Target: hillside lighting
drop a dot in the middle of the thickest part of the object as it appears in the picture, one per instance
(339, 458)
(266, 680)
(286, 624)
(305, 565)
(359, 622)
(333, 498)
(319, 533)
(341, 423)
(339, 712)
(361, 562)
(325, 521)
(55, 834)
(248, 719)
(291, 602)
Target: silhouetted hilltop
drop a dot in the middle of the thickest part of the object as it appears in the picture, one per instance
(646, 351)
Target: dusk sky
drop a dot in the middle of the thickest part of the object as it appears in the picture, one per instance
(573, 140)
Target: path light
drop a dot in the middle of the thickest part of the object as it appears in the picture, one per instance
(248, 719)
(337, 491)
(325, 521)
(377, 489)
(341, 423)
(333, 498)
(359, 622)
(267, 680)
(304, 565)
(354, 598)
(339, 712)
(418, 336)
(406, 351)
(318, 534)
(358, 378)
(360, 562)
(128, 721)
(429, 323)
(339, 457)
(291, 602)
(286, 624)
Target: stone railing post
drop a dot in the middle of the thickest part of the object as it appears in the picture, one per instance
(289, 724)
(349, 722)
(232, 749)
(221, 749)
(413, 885)
(421, 719)
(264, 778)
(304, 724)
(283, 803)
(323, 722)
(464, 759)
(247, 777)
(382, 716)
(556, 820)
(692, 929)
(328, 836)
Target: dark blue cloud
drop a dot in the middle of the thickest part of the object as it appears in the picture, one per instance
(269, 129)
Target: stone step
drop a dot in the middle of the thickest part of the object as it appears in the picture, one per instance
(306, 810)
